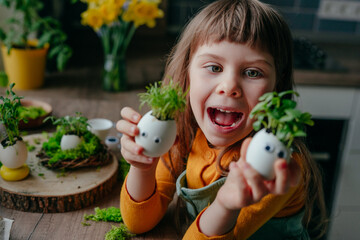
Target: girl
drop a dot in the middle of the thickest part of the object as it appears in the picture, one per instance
(229, 55)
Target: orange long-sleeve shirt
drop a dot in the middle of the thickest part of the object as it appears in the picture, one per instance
(201, 169)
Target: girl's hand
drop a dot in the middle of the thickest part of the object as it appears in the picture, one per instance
(131, 151)
(245, 186)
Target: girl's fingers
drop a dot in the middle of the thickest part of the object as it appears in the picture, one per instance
(282, 183)
(244, 147)
(127, 128)
(128, 144)
(239, 189)
(255, 182)
(130, 115)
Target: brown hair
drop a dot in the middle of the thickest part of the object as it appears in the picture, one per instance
(260, 26)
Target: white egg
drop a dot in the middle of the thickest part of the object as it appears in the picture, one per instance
(264, 149)
(14, 156)
(69, 141)
(156, 137)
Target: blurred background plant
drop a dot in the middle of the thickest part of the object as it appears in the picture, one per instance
(26, 24)
(115, 22)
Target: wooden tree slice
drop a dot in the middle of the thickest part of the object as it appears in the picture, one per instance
(50, 191)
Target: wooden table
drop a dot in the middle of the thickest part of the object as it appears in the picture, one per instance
(67, 95)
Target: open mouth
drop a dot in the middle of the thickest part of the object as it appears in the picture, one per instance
(224, 118)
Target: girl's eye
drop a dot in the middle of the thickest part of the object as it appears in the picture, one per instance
(214, 68)
(253, 73)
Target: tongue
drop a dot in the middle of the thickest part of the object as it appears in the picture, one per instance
(225, 119)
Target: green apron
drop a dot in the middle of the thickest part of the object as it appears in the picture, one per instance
(276, 228)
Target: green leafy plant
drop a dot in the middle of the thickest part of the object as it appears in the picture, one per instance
(77, 124)
(278, 114)
(111, 214)
(87, 148)
(9, 116)
(4, 80)
(90, 152)
(118, 233)
(26, 22)
(31, 112)
(164, 100)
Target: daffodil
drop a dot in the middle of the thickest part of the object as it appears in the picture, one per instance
(143, 12)
(93, 18)
(116, 21)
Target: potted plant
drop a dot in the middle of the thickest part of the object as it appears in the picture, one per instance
(158, 127)
(71, 129)
(281, 123)
(13, 151)
(25, 58)
(73, 145)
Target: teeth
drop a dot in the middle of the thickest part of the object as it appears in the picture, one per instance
(222, 110)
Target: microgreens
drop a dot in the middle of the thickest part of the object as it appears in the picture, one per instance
(9, 115)
(118, 233)
(278, 114)
(111, 214)
(164, 100)
(70, 124)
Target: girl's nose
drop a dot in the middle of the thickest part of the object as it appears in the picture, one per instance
(229, 87)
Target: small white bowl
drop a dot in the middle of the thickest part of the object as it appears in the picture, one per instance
(100, 127)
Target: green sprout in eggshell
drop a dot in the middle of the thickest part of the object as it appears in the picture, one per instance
(165, 101)
(10, 116)
(70, 124)
(278, 114)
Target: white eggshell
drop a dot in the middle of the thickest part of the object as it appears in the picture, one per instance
(264, 149)
(69, 142)
(14, 156)
(156, 137)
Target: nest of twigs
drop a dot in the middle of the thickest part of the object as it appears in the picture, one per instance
(99, 159)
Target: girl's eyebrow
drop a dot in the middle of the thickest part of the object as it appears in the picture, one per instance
(260, 60)
(206, 55)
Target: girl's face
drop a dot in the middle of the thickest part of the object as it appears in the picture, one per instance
(226, 81)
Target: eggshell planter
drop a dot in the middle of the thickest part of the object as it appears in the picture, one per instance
(264, 149)
(69, 141)
(156, 137)
(14, 156)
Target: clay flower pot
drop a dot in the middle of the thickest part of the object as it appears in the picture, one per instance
(264, 149)
(14, 156)
(156, 137)
(69, 141)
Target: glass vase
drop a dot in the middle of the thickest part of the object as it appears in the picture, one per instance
(114, 74)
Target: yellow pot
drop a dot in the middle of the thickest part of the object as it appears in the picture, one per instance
(25, 67)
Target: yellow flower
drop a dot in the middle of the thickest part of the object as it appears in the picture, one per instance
(109, 11)
(93, 18)
(143, 12)
(119, 3)
(89, 1)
